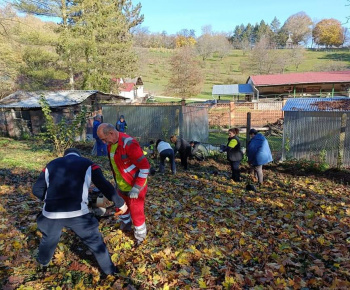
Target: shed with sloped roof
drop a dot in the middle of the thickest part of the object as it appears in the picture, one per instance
(21, 114)
(235, 90)
(306, 84)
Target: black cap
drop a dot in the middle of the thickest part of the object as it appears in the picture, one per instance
(72, 150)
(253, 131)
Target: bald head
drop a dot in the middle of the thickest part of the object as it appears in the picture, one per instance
(107, 133)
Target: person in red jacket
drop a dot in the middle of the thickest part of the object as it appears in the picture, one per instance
(130, 170)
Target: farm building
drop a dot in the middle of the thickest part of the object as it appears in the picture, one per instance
(317, 129)
(307, 84)
(21, 114)
(131, 89)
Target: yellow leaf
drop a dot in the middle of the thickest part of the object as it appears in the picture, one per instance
(205, 271)
(59, 256)
(229, 281)
(241, 242)
(202, 284)
(17, 245)
(230, 191)
(166, 287)
(142, 268)
(50, 278)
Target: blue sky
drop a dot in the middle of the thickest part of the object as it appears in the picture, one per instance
(223, 15)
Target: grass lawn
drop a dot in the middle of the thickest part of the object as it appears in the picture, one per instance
(155, 68)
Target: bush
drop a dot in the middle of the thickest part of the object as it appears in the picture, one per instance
(63, 134)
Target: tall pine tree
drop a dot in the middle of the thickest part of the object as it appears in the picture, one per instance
(94, 37)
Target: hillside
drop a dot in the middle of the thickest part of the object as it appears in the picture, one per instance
(155, 69)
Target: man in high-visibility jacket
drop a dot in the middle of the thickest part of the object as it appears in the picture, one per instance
(130, 170)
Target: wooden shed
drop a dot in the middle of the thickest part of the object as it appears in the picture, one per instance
(21, 114)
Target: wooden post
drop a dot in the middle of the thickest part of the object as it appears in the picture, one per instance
(232, 114)
(341, 141)
(249, 123)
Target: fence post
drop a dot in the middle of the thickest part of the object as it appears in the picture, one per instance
(249, 123)
(341, 141)
(232, 114)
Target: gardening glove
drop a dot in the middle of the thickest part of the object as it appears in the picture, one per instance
(121, 210)
(134, 192)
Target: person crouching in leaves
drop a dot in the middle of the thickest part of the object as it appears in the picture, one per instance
(234, 153)
(165, 151)
(63, 186)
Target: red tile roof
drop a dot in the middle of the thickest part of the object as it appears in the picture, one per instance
(126, 87)
(301, 78)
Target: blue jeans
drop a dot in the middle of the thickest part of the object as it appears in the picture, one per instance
(163, 155)
(86, 227)
(101, 148)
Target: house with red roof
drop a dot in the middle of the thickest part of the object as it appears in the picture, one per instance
(129, 88)
(306, 84)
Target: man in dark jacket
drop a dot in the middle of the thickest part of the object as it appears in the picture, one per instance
(183, 147)
(63, 186)
(101, 148)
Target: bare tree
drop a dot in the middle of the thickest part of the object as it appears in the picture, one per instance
(186, 78)
(297, 56)
(299, 27)
(264, 60)
(223, 46)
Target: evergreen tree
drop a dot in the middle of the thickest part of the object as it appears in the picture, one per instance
(95, 40)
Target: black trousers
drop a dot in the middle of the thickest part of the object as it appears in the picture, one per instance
(236, 173)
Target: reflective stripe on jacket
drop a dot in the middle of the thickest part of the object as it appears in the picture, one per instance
(130, 161)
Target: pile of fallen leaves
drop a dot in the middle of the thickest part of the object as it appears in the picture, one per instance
(204, 231)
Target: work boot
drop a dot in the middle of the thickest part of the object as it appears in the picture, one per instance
(126, 228)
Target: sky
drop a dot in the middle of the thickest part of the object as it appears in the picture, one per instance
(223, 15)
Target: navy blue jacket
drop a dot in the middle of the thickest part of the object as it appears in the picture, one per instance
(64, 184)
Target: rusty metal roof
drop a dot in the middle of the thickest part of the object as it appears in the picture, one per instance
(335, 104)
(24, 99)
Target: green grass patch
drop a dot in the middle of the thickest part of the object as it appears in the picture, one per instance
(23, 154)
(155, 68)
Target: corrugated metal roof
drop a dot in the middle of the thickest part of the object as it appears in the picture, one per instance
(23, 99)
(232, 89)
(301, 78)
(338, 104)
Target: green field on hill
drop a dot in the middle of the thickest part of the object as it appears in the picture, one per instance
(155, 68)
